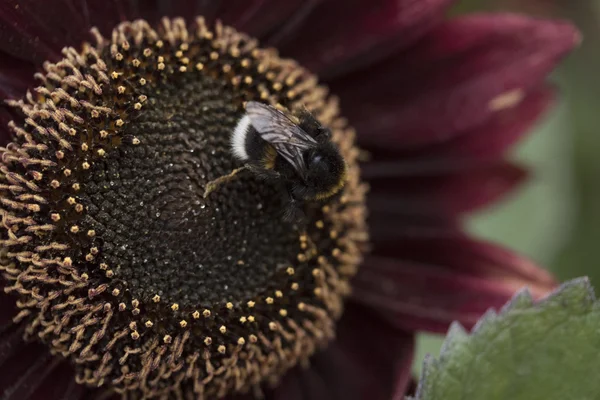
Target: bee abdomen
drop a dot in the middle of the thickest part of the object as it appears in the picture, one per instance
(239, 138)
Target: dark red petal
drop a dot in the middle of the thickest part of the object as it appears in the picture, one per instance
(444, 195)
(455, 80)
(16, 77)
(188, 9)
(22, 374)
(292, 26)
(457, 251)
(36, 31)
(483, 145)
(369, 360)
(60, 385)
(423, 279)
(259, 17)
(342, 35)
(22, 37)
(5, 117)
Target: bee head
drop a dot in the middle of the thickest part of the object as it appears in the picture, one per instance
(325, 171)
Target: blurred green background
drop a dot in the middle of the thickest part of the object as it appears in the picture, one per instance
(555, 218)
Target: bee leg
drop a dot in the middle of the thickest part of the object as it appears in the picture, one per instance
(263, 174)
(293, 211)
(215, 183)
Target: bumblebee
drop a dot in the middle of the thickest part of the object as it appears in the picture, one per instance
(294, 150)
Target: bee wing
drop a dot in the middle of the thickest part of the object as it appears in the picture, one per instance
(289, 140)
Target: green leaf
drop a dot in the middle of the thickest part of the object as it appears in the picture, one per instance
(529, 351)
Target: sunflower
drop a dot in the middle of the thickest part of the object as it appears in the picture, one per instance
(126, 277)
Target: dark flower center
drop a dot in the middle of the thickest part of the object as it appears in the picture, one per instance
(119, 260)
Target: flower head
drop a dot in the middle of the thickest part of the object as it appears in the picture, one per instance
(132, 273)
